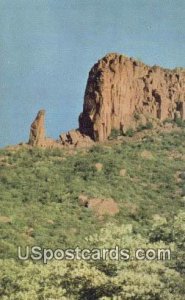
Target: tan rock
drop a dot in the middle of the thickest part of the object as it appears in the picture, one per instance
(146, 154)
(122, 172)
(99, 167)
(50, 222)
(103, 207)
(100, 206)
(178, 177)
(76, 139)
(30, 231)
(5, 219)
(83, 200)
(122, 93)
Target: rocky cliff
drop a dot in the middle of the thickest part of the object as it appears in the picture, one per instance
(121, 93)
(124, 93)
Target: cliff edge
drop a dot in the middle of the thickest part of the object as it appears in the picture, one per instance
(122, 93)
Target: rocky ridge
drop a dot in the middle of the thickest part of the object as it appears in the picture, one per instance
(121, 93)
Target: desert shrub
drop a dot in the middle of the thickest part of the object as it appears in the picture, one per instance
(179, 122)
(115, 133)
(130, 279)
(129, 132)
(161, 230)
(97, 149)
(111, 167)
(148, 125)
(172, 231)
(168, 120)
(84, 168)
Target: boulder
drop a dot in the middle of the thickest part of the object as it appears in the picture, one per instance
(99, 167)
(100, 207)
(122, 172)
(146, 154)
(76, 138)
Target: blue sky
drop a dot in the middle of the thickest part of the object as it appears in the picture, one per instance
(47, 48)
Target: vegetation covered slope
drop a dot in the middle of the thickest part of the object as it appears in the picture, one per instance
(39, 206)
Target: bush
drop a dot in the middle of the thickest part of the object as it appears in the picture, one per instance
(115, 133)
(85, 280)
(168, 120)
(148, 125)
(180, 123)
(129, 132)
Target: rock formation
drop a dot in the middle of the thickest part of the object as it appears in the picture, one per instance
(123, 93)
(75, 138)
(37, 130)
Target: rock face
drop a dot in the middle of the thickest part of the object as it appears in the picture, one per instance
(123, 93)
(37, 130)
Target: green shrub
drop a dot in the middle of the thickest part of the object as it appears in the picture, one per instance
(130, 132)
(115, 133)
(85, 280)
(180, 123)
(168, 120)
(148, 125)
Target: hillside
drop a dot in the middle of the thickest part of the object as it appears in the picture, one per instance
(42, 192)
